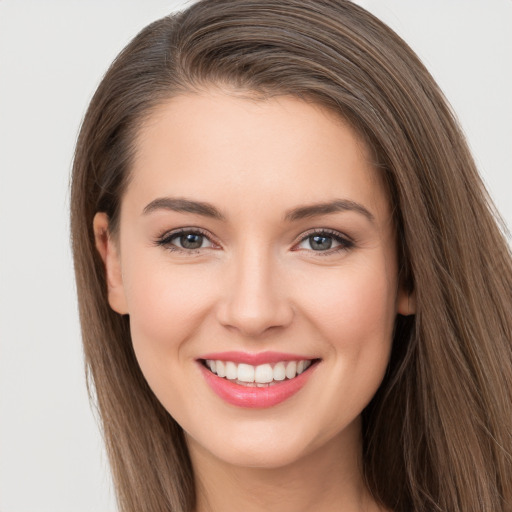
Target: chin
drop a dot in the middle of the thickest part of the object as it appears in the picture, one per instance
(264, 458)
(257, 455)
(267, 445)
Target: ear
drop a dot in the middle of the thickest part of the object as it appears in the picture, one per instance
(406, 302)
(109, 253)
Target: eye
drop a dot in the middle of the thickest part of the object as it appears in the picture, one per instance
(326, 241)
(185, 240)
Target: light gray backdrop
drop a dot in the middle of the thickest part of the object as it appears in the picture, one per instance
(52, 55)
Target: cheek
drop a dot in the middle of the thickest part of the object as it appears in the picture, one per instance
(354, 304)
(166, 305)
(354, 313)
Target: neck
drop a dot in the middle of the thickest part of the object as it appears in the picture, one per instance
(328, 479)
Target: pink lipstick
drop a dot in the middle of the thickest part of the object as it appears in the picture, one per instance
(256, 380)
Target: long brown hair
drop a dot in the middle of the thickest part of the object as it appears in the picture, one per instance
(438, 434)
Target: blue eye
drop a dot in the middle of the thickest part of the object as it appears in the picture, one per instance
(191, 241)
(185, 240)
(325, 241)
(320, 242)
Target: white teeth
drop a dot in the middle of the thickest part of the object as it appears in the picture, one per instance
(262, 375)
(245, 373)
(291, 369)
(231, 370)
(279, 371)
(220, 368)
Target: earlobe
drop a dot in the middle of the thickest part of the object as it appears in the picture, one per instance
(406, 303)
(109, 253)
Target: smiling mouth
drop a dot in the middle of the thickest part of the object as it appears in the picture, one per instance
(261, 376)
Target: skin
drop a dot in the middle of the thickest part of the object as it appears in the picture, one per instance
(256, 284)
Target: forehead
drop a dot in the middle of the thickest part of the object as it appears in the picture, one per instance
(234, 148)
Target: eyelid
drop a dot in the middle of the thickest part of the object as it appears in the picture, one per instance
(164, 240)
(345, 241)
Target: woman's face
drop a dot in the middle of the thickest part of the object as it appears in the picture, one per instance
(256, 234)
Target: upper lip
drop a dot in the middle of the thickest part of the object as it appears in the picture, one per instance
(254, 359)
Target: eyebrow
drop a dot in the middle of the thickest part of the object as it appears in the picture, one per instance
(317, 209)
(299, 213)
(184, 205)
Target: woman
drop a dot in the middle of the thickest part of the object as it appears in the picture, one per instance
(292, 288)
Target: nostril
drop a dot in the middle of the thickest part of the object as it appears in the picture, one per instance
(255, 316)
(254, 299)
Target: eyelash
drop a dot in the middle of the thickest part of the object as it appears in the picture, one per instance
(165, 240)
(345, 242)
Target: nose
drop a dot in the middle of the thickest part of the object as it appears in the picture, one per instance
(254, 297)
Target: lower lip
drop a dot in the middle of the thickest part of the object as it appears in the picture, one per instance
(254, 397)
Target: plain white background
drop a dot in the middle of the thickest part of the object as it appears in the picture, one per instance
(52, 56)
